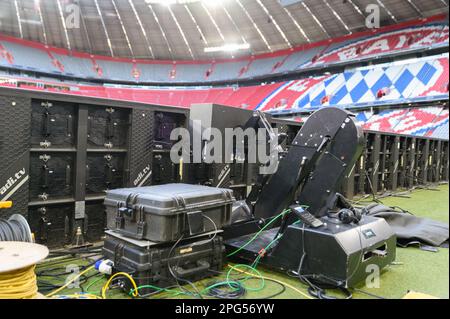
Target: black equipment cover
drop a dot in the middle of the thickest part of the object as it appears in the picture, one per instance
(411, 229)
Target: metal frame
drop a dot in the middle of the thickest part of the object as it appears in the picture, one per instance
(394, 161)
(79, 200)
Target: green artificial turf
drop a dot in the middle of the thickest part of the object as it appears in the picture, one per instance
(414, 269)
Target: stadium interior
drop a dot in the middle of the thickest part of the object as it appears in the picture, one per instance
(91, 92)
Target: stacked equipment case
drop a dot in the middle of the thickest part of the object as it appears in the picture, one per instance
(167, 234)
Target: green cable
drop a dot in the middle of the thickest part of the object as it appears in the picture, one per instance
(93, 283)
(221, 283)
(175, 292)
(158, 289)
(259, 232)
(252, 269)
(227, 281)
(257, 259)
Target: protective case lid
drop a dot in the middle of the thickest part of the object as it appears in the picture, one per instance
(169, 198)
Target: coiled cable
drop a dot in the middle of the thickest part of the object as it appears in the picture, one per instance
(17, 269)
(16, 228)
(18, 284)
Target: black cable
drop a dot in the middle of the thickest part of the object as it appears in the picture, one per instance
(368, 293)
(49, 286)
(48, 272)
(321, 293)
(77, 251)
(46, 286)
(226, 290)
(283, 287)
(63, 260)
(172, 273)
(314, 289)
(155, 293)
(372, 190)
(86, 280)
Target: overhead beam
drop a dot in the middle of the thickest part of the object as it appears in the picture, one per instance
(390, 14)
(124, 30)
(297, 24)
(63, 22)
(316, 19)
(39, 10)
(275, 23)
(19, 19)
(338, 17)
(199, 29)
(161, 29)
(183, 36)
(141, 26)
(258, 30)
(108, 39)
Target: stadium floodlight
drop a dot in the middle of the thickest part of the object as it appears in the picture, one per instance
(228, 48)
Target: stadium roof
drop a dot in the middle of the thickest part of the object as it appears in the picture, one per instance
(183, 29)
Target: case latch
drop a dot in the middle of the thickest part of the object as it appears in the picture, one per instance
(119, 220)
(118, 253)
(227, 194)
(140, 222)
(180, 201)
(125, 209)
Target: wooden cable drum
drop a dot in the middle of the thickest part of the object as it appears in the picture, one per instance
(17, 264)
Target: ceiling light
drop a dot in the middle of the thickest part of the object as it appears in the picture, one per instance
(171, 2)
(228, 48)
(31, 21)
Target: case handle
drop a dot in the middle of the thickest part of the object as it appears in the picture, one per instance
(46, 125)
(45, 176)
(109, 134)
(109, 172)
(89, 126)
(201, 265)
(68, 176)
(69, 126)
(44, 224)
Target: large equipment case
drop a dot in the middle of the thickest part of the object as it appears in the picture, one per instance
(164, 213)
(165, 264)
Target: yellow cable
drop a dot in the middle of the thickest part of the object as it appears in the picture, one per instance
(18, 284)
(78, 296)
(106, 286)
(54, 292)
(273, 279)
(180, 172)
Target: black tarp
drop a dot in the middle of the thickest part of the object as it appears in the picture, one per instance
(408, 228)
